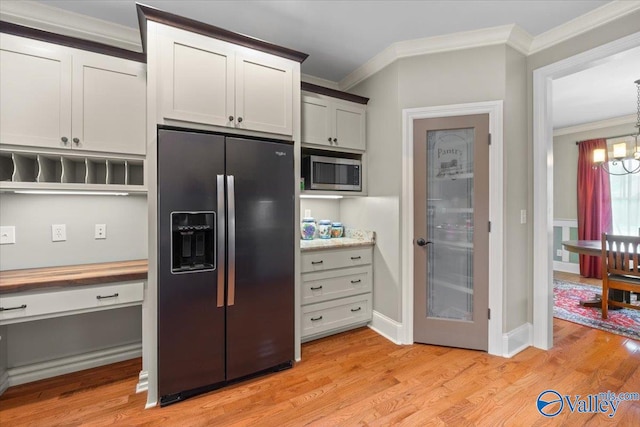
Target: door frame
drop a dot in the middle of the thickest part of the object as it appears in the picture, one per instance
(496, 244)
(543, 177)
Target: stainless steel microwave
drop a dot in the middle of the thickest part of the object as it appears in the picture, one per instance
(332, 173)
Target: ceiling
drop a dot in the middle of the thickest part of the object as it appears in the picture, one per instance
(341, 36)
(602, 92)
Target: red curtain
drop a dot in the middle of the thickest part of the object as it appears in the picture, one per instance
(594, 203)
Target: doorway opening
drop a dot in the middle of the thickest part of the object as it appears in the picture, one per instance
(543, 178)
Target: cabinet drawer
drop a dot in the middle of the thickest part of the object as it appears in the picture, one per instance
(329, 259)
(327, 285)
(325, 316)
(24, 307)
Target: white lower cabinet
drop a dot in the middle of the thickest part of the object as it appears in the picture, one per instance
(336, 291)
(44, 304)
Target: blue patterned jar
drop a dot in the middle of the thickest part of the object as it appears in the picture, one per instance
(324, 229)
(308, 228)
(337, 230)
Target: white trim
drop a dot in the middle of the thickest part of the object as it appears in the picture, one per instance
(496, 244)
(143, 382)
(590, 20)
(79, 362)
(566, 267)
(616, 121)
(4, 382)
(565, 223)
(387, 327)
(543, 178)
(516, 340)
(506, 34)
(48, 18)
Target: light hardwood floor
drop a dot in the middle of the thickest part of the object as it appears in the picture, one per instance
(576, 278)
(360, 378)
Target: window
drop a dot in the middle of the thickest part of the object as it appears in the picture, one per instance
(625, 199)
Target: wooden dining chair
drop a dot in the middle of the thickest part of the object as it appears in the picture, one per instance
(620, 269)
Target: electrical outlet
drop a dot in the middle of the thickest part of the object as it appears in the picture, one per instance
(523, 216)
(559, 252)
(58, 232)
(307, 213)
(7, 235)
(101, 231)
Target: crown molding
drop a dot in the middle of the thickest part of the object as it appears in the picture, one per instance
(586, 127)
(319, 81)
(59, 21)
(590, 20)
(511, 35)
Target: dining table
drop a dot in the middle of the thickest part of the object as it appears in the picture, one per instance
(592, 248)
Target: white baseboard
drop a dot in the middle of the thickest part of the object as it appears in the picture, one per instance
(387, 327)
(4, 382)
(516, 340)
(143, 382)
(65, 365)
(567, 267)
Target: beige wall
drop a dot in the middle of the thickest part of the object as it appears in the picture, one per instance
(565, 167)
(472, 75)
(517, 256)
(32, 215)
(380, 211)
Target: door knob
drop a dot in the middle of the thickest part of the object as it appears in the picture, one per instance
(422, 242)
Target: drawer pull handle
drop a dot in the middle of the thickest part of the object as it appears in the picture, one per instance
(355, 257)
(315, 319)
(356, 281)
(20, 307)
(107, 296)
(353, 310)
(316, 262)
(316, 288)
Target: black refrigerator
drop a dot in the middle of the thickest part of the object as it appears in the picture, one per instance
(225, 260)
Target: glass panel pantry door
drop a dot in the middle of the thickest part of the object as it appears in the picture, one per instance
(451, 245)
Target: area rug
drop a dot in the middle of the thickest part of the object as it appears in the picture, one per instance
(566, 306)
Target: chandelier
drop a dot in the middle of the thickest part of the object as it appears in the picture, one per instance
(630, 162)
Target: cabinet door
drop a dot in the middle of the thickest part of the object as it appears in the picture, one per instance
(349, 125)
(198, 76)
(264, 94)
(108, 104)
(35, 83)
(316, 121)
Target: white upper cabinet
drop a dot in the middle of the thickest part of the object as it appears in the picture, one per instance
(59, 97)
(108, 104)
(333, 123)
(198, 80)
(35, 88)
(213, 82)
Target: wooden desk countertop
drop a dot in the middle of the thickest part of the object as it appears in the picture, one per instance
(73, 275)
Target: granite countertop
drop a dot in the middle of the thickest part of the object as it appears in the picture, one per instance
(352, 238)
(71, 275)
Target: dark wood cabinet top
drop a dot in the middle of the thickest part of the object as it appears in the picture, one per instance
(73, 275)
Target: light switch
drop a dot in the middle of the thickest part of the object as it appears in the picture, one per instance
(7, 235)
(523, 216)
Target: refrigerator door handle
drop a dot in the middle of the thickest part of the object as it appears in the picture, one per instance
(231, 204)
(220, 243)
